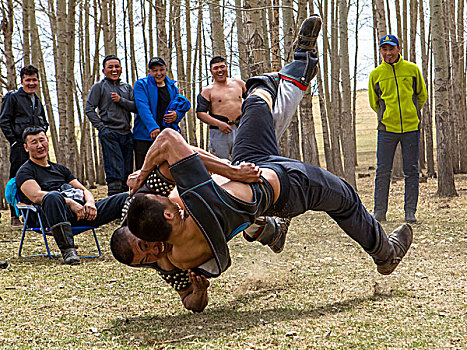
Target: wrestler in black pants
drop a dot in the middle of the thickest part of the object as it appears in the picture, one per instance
(303, 186)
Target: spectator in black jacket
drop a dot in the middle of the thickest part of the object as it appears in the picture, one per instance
(21, 109)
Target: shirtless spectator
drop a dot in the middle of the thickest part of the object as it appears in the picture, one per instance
(223, 100)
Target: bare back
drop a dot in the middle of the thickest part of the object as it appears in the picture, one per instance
(225, 98)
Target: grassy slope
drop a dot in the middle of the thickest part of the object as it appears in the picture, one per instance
(321, 292)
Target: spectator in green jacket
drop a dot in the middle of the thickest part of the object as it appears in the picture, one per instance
(397, 93)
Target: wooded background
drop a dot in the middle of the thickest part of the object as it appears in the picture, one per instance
(67, 40)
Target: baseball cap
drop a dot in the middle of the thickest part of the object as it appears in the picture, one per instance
(389, 39)
(156, 61)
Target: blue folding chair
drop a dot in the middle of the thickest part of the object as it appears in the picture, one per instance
(27, 211)
(31, 216)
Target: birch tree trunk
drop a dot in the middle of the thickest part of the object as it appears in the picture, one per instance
(324, 93)
(202, 42)
(181, 78)
(289, 36)
(131, 27)
(254, 37)
(45, 86)
(60, 56)
(460, 75)
(26, 32)
(190, 118)
(265, 34)
(380, 15)
(242, 50)
(426, 138)
(289, 29)
(85, 62)
(388, 18)
(10, 83)
(276, 63)
(413, 29)
(106, 27)
(151, 27)
(143, 31)
(355, 79)
(348, 144)
(7, 30)
(446, 186)
(334, 108)
(162, 40)
(71, 87)
(309, 144)
(217, 29)
(403, 39)
(398, 19)
(454, 92)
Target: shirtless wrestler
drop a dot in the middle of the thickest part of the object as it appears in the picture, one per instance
(219, 106)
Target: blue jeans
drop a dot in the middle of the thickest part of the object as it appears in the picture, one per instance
(117, 150)
(387, 143)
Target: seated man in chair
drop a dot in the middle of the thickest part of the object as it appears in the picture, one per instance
(64, 201)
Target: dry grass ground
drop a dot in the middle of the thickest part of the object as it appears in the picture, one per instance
(322, 292)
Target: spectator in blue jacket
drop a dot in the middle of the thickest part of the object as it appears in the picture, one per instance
(159, 106)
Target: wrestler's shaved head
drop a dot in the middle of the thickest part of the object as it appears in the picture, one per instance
(120, 246)
(146, 218)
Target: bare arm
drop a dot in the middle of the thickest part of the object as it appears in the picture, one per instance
(196, 298)
(206, 118)
(245, 172)
(170, 147)
(35, 194)
(32, 190)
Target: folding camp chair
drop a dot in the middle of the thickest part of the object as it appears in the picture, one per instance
(29, 212)
(31, 216)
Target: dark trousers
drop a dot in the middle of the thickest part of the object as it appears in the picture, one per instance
(18, 156)
(303, 186)
(141, 148)
(56, 211)
(387, 143)
(117, 150)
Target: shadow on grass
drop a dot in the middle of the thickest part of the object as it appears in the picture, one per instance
(25, 261)
(219, 322)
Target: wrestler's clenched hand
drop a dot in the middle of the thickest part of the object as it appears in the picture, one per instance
(200, 283)
(247, 172)
(135, 181)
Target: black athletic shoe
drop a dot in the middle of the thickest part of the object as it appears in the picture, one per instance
(3, 264)
(282, 227)
(400, 239)
(308, 34)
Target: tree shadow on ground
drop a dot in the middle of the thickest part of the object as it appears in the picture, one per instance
(220, 321)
